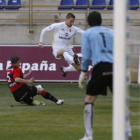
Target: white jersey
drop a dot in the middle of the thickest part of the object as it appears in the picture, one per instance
(62, 35)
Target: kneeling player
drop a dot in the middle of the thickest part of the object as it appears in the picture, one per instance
(21, 91)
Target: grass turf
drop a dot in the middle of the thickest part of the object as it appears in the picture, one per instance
(53, 122)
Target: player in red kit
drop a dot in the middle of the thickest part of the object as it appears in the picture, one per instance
(18, 85)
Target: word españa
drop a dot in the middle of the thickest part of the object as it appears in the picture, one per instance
(43, 66)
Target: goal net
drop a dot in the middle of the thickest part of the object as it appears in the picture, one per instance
(126, 100)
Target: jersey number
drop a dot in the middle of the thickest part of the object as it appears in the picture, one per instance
(8, 77)
(103, 37)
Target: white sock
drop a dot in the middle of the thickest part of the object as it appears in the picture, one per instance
(68, 58)
(88, 119)
(128, 127)
(69, 68)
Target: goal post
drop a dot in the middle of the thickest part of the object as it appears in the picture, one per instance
(119, 97)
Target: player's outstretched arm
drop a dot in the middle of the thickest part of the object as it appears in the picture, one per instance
(42, 35)
(20, 80)
(27, 74)
(43, 32)
(79, 31)
(52, 27)
(41, 45)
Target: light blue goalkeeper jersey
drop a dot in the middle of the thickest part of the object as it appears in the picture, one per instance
(97, 45)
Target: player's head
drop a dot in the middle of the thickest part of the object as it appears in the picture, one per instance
(70, 18)
(94, 19)
(15, 60)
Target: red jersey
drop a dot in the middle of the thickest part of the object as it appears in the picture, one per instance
(13, 72)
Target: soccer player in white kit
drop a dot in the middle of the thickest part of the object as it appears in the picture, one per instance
(63, 33)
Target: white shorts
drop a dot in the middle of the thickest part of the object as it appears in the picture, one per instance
(67, 49)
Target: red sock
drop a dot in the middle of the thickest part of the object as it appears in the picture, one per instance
(47, 95)
(43, 92)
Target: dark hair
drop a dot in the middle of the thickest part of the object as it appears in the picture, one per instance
(94, 19)
(14, 59)
(70, 15)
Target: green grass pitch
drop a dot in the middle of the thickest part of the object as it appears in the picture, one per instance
(53, 122)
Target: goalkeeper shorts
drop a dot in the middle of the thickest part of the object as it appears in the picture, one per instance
(101, 78)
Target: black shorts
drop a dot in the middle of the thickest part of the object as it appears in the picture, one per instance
(101, 78)
(25, 93)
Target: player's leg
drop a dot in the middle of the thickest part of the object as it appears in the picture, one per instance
(78, 68)
(89, 108)
(88, 117)
(49, 96)
(25, 96)
(76, 62)
(96, 85)
(69, 68)
(23, 99)
(64, 70)
(76, 59)
(69, 57)
(31, 91)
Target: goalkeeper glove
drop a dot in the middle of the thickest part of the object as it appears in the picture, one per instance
(82, 79)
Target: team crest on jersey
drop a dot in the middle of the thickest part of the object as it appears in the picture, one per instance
(66, 34)
(69, 30)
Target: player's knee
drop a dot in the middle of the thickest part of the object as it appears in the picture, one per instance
(39, 91)
(90, 99)
(60, 53)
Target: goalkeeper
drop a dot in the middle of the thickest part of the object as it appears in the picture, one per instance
(22, 92)
(97, 45)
